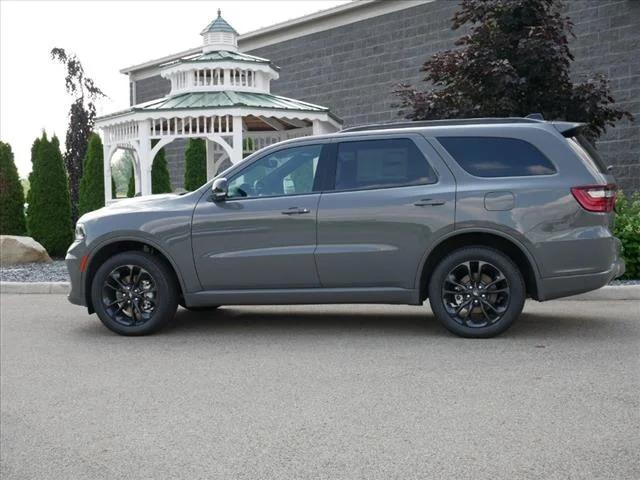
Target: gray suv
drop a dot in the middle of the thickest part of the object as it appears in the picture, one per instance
(475, 215)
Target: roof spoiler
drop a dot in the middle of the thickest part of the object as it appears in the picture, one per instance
(568, 129)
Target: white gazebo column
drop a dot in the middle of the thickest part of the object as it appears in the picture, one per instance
(320, 127)
(211, 159)
(106, 162)
(136, 171)
(145, 159)
(236, 155)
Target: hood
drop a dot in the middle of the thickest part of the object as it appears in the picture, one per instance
(136, 204)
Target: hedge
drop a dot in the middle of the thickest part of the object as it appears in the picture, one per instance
(49, 211)
(92, 182)
(195, 164)
(12, 220)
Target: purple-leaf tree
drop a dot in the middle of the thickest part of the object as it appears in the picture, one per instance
(82, 116)
(515, 60)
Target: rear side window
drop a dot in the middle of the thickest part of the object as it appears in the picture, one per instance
(381, 163)
(587, 153)
(497, 156)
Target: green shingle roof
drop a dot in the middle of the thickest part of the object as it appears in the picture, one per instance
(219, 25)
(224, 100)
(228, 99)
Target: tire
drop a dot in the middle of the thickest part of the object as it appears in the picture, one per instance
(134, 293)
(476, 292)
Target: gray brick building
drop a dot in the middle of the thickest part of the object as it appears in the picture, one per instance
(350, 58)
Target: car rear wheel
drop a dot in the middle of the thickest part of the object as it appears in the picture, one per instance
(134, 293)
(476, 292)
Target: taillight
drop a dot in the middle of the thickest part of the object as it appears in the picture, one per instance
(596, 198)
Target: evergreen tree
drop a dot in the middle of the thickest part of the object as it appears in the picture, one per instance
(49, 211)
(12, 220)
(131, 187)
(114, 190)
(195, 164)
(160, 179)
(92, 183)
(514, 60)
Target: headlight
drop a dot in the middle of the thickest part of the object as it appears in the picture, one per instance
(80, 233)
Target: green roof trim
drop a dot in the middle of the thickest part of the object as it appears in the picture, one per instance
(226, 100)
(219, 24)
(222, 56)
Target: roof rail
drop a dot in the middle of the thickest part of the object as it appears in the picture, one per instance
(439, 123)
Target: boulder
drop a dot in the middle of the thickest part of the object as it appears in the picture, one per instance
(15, 250)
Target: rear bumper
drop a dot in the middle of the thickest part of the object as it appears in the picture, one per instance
(557, 287)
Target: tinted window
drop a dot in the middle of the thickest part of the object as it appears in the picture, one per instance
(381, 163)
(588, 153)
(286, 172)
(497, 157)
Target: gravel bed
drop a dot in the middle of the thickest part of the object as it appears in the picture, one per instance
(56, 271)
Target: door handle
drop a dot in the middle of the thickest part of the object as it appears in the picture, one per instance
(296, 211)
(428, 202)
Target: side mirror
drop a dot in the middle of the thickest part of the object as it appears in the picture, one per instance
(219, 189)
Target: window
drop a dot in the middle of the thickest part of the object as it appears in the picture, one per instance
(587, 153)
(286, 172)
(497, 157)
(381, 163)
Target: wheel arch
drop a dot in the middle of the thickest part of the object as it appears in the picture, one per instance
(511, 247)
(120, 245)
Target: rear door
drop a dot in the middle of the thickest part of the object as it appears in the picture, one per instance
(388, 200)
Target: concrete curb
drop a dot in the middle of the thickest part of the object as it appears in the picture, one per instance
(35, 287)
(613, 292)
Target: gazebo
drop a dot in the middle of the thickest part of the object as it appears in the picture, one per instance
(221, 95)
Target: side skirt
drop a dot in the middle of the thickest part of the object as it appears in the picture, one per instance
(301, 296)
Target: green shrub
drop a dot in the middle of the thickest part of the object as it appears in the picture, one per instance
(114, 189)
(195, 164)
(627, 229)
(49, 211)
(12, 221)
(92, 182)
(160, 179)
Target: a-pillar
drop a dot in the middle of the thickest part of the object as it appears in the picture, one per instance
(144, 159)
(106, 162)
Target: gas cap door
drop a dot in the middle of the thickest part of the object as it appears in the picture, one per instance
(499, 201)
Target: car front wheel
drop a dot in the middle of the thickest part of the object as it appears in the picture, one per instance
(134, 293)
(476, 292)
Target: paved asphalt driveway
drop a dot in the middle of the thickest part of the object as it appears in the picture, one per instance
(320, 392)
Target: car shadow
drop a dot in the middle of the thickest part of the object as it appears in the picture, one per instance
(387, 320)
(360, 321)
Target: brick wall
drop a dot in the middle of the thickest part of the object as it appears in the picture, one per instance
(353, 69)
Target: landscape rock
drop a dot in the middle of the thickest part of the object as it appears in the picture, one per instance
(15, 250)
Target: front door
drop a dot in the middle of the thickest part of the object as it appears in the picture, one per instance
(391, 198)
(264, 234)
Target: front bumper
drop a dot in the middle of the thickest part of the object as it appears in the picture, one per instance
(73, 260)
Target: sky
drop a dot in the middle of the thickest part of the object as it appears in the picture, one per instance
(107, 36)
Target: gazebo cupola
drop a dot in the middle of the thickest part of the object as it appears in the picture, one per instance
(219, 35)
(220, 66)
(221, 95)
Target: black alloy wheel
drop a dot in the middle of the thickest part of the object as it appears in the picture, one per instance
(476, 292)
(129, 295)
(134, 293)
